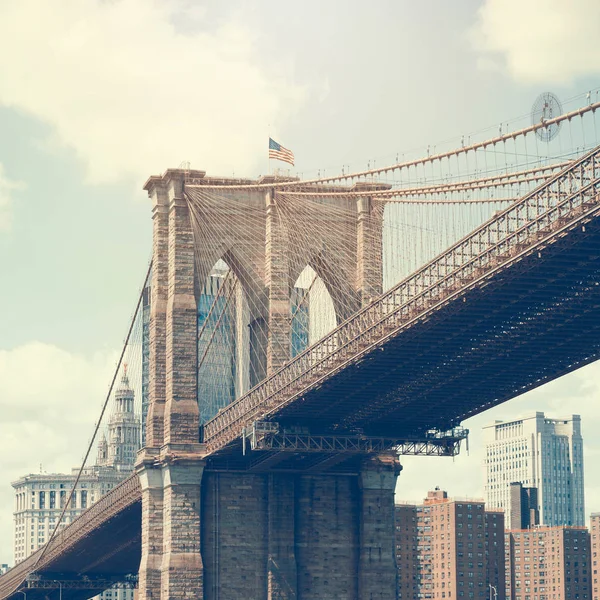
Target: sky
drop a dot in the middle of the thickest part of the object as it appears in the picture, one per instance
(97, 95)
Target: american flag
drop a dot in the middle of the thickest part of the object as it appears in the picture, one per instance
(278, 152)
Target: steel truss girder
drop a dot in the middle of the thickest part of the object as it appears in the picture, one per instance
(266, 436)
(82, 583)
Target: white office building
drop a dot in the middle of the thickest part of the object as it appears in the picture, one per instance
(41, 498)
(538, 452)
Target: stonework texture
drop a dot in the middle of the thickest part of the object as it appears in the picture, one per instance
(327, 537)
(282, 570)
(158, 315)
(369, 250)
(149, 583)
(277, 281)
(377, 567)
(234, 536)
(181, 411)
(281, 536)
(182, 569)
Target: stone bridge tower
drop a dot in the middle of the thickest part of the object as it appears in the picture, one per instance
(223, 534)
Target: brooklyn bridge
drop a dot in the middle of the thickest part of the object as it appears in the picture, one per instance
(298, 336)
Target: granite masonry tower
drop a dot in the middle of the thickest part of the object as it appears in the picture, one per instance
(224, 534)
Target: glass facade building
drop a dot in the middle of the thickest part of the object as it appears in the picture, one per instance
(300, 310)
(216, 345)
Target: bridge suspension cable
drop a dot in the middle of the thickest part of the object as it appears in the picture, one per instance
(132, 342)
(465, 150)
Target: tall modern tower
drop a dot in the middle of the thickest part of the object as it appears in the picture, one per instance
(541, 453)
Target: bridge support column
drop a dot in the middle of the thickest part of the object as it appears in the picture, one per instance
(282, 571)
(171, 466)
(154, 425)
(182, 571)
(277, 280)
(234, 536)
(182, 418)
(181, 454)
(148, 472)
(377, 572)
(327, 536)
(152, 528)
(369, 244)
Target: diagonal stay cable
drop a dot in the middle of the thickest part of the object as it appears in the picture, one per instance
(304, 297)
(99, 422)
(210, 340)
(218, 295)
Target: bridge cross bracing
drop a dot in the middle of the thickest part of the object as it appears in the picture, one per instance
(534, 261)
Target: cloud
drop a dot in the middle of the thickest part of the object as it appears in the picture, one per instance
(576, 393)
(133, 91)
(49, 402)
(7, 187)
(539, 41)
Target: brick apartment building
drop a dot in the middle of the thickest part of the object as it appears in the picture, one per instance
(595, 553)
(449, 548)
(548, 563)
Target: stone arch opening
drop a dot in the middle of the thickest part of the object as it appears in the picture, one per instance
(230, 345)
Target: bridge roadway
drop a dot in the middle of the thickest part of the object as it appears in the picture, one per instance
(507, 308)
(511, 306)
(85, 549)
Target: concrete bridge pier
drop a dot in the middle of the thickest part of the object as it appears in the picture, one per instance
(377, 562)
(289, 537)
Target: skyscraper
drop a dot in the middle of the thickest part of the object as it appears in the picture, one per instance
(524, 511)
(120, 450)
(300, 300)
(541, 453)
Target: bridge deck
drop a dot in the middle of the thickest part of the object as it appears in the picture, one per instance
(474, 327)
(85, 548)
